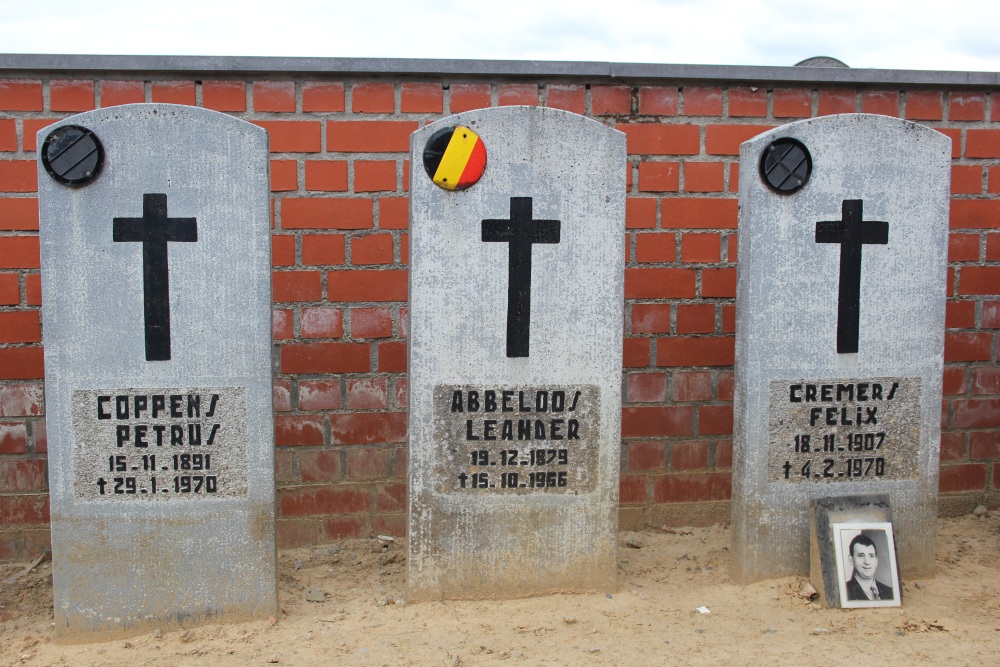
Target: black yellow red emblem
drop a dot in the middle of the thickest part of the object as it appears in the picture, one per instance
(455, 157)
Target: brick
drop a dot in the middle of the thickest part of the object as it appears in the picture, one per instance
(963, 247)
(392, 357)
(724, 454)
(369, 136)
(651, 318)
(695, 318)
(979, 280)
(224, 95)
(640, 213)
(701, 248)
(610, 100)
(635, 352)
(294, 534)
(404, 322)
(702, 351)
(983, 445)
(367, 394)
(367, 285)
(661, 139)
(967, 477)
(702, 101)
(274, 96)
(836, 101)
(30, 129)
(296, 430)
(374, 176)
(72, 95)
(993, 180)
(400, 464)
(955, 134)
(371, 322)
(10, 289)
(631, 489)
(728, 318)
(336, 357)
(296, 286)
(982, 143)
(691, 386)
(323, 249)
(23, 510)
(976, 413)
(967, 346)
(114, 93)
(404, 248)
(734, 178)
(960, 315)
(282, 250)
(390, 498)
(366, 428)
(326, 175)
(392, 525)
(367, 463)
(8, 135)
(292, 136)
(952, 446)
(324, 501)
(13, 438)
(319, 394)
(372, 249)
(991, 315)
(322, 322)
(468, 96)
(284, 175)
(975, 213)
(18, 214)
(19, 252)
(282, 324)
(642, 422)
(20, 326)
(790, 103)
(732, 243)
(646, 456)
(689, 455)
(718, 283)
(715, 419)
(322, 97)
(966, 180)
(726, 383)
(18, 176)
(993, 247)
(518, 93)
(173, 92)
(966, 106)
(421, 98)
(954, 380)
(282, 393)
(21, 363)
(20, 95)
(883, 102)
(649, 283)
(372, 97)
(986, 380)
(655, 247)
(746, 102)
(393, 213)
(647, 387)
(40, 437)
(24, 475)
(399, 387)
(726, 139)
(326, 213)
(699, 213)
(659, 176)
(692, 487)
(657, 101)
(704, 176)
(569, 98)
(924, 105)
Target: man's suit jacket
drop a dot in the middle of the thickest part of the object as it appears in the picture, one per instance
(856, 592)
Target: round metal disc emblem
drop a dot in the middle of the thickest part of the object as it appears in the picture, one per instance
(786, 165)
(455, 157)
(72, 155)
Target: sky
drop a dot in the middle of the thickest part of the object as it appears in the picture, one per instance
(884, 34)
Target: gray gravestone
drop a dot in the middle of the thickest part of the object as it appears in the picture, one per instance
(839, 332)
(157, 304)
(516, 296)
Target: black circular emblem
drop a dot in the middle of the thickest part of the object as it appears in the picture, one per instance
(786, 165)
(72, 155)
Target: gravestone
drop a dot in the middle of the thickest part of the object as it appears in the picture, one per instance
(155, 244)
(516, 300)
(839, 332)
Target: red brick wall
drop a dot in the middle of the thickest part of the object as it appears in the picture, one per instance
(340, 252)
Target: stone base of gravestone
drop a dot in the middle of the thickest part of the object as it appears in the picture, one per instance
(822, 556)
(515, 418)
(839, 333)
(157, 310)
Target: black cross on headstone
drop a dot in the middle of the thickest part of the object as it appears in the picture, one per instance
(520, 232)
(851, 232)
(154, 229)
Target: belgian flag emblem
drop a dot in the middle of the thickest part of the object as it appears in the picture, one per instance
(455, 157)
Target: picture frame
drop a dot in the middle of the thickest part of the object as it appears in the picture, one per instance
(867, 573)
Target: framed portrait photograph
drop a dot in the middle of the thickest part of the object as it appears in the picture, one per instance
(866, 564)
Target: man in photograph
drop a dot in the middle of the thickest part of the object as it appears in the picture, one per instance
(863, 585)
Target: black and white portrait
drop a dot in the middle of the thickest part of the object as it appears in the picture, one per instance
(866, 565)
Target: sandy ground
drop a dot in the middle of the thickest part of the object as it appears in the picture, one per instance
(361, 618)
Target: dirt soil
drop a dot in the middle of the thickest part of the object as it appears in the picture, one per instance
(343, 604)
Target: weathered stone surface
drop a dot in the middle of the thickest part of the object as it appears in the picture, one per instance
(794, 332)
(160, 444)
(514, 459)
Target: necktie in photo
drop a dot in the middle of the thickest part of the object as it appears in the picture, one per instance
(874, 593)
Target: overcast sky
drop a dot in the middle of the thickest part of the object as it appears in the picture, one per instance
(918, 34)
